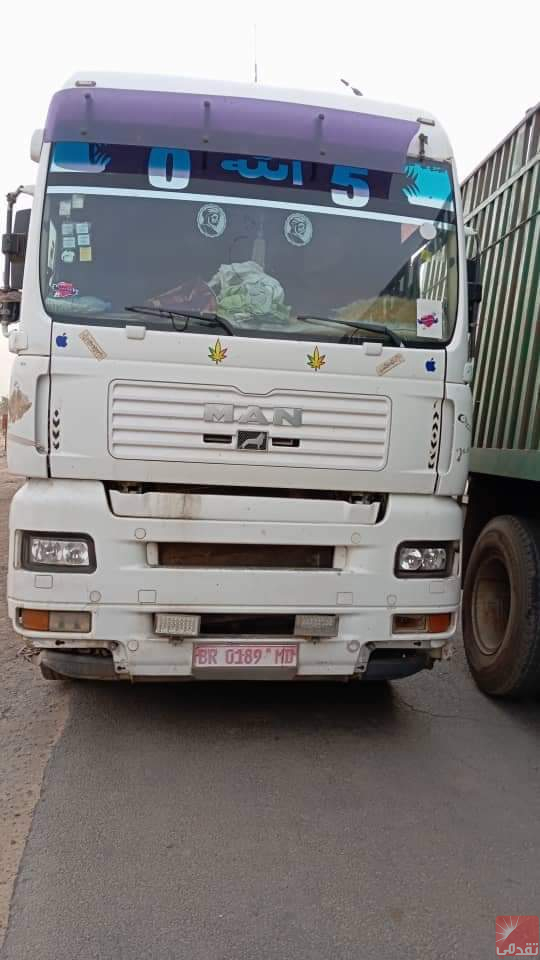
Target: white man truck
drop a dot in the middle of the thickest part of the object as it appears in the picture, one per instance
(240, 394)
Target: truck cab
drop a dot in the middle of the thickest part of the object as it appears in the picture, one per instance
(239, 396)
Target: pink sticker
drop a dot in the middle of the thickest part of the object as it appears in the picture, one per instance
(429, 319)
(65, 289)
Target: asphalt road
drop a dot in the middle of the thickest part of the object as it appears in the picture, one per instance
(282, 823)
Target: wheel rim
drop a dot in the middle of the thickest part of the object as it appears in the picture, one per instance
(492, 603)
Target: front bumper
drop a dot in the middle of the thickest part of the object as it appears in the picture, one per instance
(126, 590)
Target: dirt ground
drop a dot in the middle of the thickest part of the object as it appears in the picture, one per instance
(32, 715)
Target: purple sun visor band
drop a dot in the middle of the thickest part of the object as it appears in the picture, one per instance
(229, 125)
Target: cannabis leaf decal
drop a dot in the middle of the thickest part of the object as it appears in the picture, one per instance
(217, 353)
(316, 360)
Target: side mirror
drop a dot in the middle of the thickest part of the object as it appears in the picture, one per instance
(474, 289)
(18, 243)
(14, 251)
(473, 268)
(475, 292)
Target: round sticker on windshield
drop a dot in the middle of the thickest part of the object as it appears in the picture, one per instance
(428, 231)
(298, 229)
(211, 220)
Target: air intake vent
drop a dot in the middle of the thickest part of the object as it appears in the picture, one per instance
(250, 555)
(246, 624)
(217, 438)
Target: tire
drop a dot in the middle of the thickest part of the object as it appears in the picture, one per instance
(501, 608)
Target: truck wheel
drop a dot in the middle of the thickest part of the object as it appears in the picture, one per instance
(501, 608)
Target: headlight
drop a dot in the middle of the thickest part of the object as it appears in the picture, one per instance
(62, 552)
(423, 560)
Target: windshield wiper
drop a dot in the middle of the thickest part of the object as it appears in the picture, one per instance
(358, 325)
(187, 315)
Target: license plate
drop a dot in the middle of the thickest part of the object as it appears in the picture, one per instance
(245, 655)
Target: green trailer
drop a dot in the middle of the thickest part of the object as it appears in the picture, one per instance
(501, 597)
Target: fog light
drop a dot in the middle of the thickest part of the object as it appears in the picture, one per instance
(422, 623)
(56, 621)
(315, 625)
(410, 623)
(69, 621)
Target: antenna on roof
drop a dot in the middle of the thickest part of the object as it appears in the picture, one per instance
(255, 67)
(355, 90)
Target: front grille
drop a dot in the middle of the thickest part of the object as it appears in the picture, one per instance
(165, 421)
(246, 624)
(249, 555)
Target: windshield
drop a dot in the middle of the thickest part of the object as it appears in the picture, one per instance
(277, 248)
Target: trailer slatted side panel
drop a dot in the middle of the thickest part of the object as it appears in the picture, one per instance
(501, 201)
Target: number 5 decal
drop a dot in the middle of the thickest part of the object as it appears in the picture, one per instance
(168, 168)
(356, 192)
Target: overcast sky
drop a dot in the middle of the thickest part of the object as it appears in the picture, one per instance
(475, 64)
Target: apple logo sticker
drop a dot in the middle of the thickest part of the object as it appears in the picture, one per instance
(61, 340)
(431, 365)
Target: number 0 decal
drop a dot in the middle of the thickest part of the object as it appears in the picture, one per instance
(169, 169)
